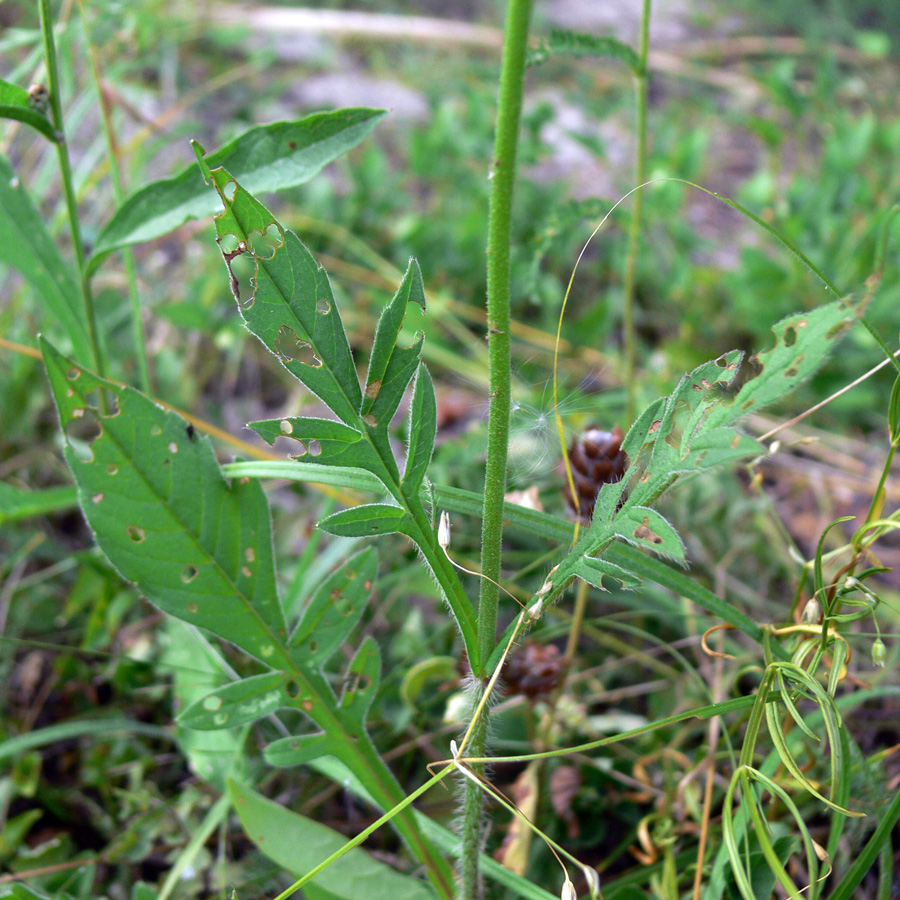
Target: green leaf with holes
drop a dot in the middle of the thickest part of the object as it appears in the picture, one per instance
(334, 609)
(288, 303)
(370, 518)
(361, 682)
(693, 430)
(323, 441)
(270, 157)
(646, 528)
(594, 571)
(239, 702)
(298, 844)
(802, 342)
(198, 547)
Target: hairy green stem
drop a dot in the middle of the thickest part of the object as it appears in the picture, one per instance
(503, 174)
(65, 171)
(634, 229)
(140, 347)
(498, 279)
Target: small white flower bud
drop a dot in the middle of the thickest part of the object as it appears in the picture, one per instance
(568, 891)
(812, 613)
(444, 530)
(593, 880)
(879, 653)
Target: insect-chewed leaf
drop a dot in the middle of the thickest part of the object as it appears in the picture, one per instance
(645, 527)
(29, 107)
(238, 703)
(288, 303)
(198, 547)
(422, 431)
(802, 342)
(593, 571)
(718, 446)
(361, 682)
(334, 609)
(322, 441)
(370, 518)
(390, 366)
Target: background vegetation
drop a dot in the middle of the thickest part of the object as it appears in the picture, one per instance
(790, 109)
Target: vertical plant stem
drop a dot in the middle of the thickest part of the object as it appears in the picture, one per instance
(503, 168)
(65, 171)
(634, 229)
(499, 232)
(140, 347)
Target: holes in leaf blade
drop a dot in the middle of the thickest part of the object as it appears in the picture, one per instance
(136, 534)
(242, 267)
(188, 574)
(265, 244)
(291, 347)
(81, 431)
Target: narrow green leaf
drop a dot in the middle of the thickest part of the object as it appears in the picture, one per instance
(361, 682)
(390, 366)
(422, 432)
(593, 571)
(334, 609)
(237, 703)
(26, 245)
(299, 844)
(17, 504)
(17, 103)
(562, 42)
(295, 751)
(361, 521)
(893, 416)
(352, 479)
(161, 511)
(266, 158)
